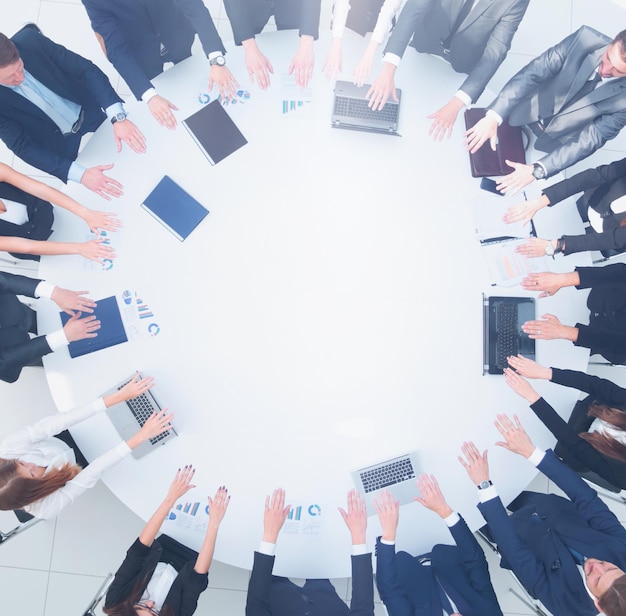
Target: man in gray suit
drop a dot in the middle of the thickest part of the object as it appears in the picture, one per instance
(573, 97)
(474, 36)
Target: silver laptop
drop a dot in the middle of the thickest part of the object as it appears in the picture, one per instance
(129, 416)
(351, 111)
(397, 475)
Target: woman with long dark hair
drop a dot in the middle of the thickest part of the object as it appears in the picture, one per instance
(38, 472)
(594, 437)
(161, 577)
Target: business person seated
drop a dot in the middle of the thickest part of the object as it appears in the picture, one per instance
(593, 437)
(26, 211)
(139, 37)
(606, 332)
(375, 16)
(249, 17)
(160, 575)
(18, 321)
(49, 98)
(602, 206)
(451, 579)
(474, 36)
(269, 595)
(572, 97)
(38, 472)
(570, 553)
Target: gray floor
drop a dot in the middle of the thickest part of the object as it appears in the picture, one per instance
(55, 568)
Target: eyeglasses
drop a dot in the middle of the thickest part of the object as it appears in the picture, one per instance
(142, 605)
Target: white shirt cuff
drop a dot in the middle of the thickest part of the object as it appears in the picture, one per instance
(392, 58)
(464, 98)
(214, 54)
(387, 542)
(57, 340)
(358, 549)
(114, 109)
(492, 114)
(44, 289)
(269, 549)
(99, 405)
(452, 519)
(75, 173)
(536, 456)
(148, 95)
(487, 494)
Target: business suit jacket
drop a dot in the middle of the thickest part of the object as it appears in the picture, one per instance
(606, 332)
(40, 217)
(408, 588)
(29, 132)
(544, 88)
(479, 45)
(275, 596)
(140, 563)
(534, 540)
(133, 35)
(17, 348)
(248, 17)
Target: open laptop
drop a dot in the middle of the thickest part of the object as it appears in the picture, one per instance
(396, 475)
(351, 111)
(129, 416)
(503, 318)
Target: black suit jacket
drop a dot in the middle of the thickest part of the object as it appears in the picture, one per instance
(248, 17)
(270, 596)
(17, 348)
(29, 132)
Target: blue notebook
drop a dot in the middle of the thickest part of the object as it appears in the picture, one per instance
(111, 330)
(174, 208)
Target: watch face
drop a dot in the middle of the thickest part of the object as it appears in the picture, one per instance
(219, 60)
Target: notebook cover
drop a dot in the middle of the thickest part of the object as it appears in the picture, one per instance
(486, 162)
(215, 133)
(174, 208)
(111, 330)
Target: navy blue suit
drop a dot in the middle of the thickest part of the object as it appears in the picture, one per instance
(29, 132)
(17, 348)
(409, 588)
(534, 540)
(269, 595)
(133, 31)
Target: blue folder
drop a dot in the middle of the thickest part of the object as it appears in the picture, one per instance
(111, 330)
(174, 208)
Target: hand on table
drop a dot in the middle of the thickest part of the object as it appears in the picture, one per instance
(161, 109)
(477, 465)
(69, 301)
(356, 517)
(79, 329)
(486, 129)
(218, 506)
(547, 282)
(547, 328)
(520, 386)
(136, 386)
(333, 63)
(363, 68)
(535, 247)
(512, 183)
(96, 250)
(125, 131)
(432, 498)
(257, 64)
(95, 179)
(524, 211)
(515, 437)
(101, 220)
(529, 368)
(302, 64)
(388, 510)
(444, 119)
(156, 424)
(275, 515)
(382, 87)
(226, 83)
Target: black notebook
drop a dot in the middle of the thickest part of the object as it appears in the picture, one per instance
(174, 208)
(111, 330)
(214, 132)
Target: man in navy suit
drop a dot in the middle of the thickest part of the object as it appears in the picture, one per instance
(552, 543)
(269, 595)
(452, 579)
(249, 17)
(49, 98)
(139, 36)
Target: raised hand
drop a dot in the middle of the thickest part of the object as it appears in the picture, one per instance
(520, 386)
(388, 510)
(356, 517)
(475, 463)
(69, 301)
(275, 515)
(529, 368)
(432, 497)
(515, 437)
(218, 506)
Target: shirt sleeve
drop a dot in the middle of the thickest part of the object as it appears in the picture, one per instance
(341, 8)
(384, 22)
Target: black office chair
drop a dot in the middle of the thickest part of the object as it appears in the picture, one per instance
(90, 611)
(26, 521)
(604, 488)
(524, 596)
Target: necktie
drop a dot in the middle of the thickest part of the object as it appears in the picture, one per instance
(465, 11)
(588, 86)
(579, 559)
(443, 597)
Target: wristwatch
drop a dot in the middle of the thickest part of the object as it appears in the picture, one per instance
(539, 172)
(483, 485)
(218, 60)
(550, 250)
(119, 117)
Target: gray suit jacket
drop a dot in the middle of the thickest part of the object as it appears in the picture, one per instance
(479, 45)
(545, 86)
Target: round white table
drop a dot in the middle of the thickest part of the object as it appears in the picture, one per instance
(325, 315)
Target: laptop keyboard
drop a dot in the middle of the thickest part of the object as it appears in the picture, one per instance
(142, 407)
(357, 108)
(508, 336)
(387, 475)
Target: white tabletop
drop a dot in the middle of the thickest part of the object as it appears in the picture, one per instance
(325, 315)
